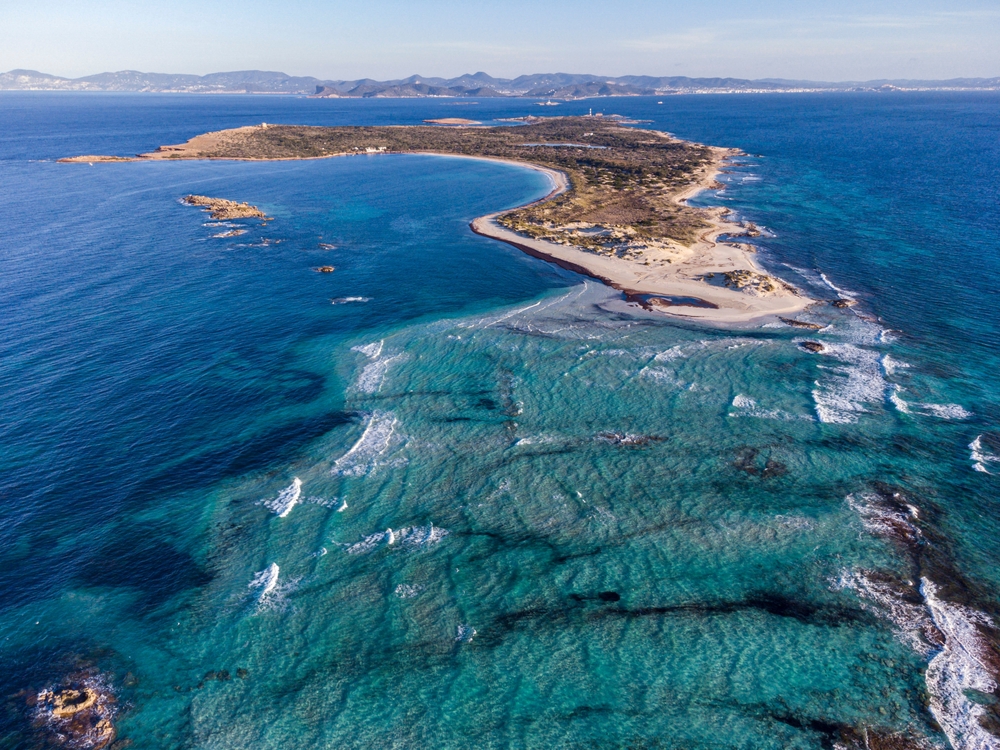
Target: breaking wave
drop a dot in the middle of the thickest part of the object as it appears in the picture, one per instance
(374, 441)
(287, 499)
(980, 457)
(941, 411)
(951, 636)
(857, 382)
(747, 407)
(410, 538)
(371, 377)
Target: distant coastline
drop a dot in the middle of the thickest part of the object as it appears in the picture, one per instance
(558, 86)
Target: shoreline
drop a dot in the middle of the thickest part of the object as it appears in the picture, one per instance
(705, 280)
(682, 296)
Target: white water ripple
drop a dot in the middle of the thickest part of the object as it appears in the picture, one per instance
(362, 457)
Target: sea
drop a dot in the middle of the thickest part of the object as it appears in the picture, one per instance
(453, 496)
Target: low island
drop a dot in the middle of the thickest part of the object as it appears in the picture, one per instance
(617, 212)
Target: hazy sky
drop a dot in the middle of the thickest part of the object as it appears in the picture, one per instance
(819, 40)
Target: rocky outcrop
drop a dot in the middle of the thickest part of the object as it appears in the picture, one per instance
(80, 712)
(226, 210)
(812, 346)
(757, 284)
(841, 303)
(800, 324)
(325, 269)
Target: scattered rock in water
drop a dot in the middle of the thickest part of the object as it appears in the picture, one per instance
(747, 461)
(79, 712)
(844, 303)
(609, 596)
(812, 346)
(627, 439)
(226, 210)
(800, 324)
(242, 673)
(751, 229)
(327, 246)
(773, 469)
(230, 233)
(325, 269)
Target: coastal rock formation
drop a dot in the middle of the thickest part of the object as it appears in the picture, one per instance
(221, 209)
(842, 303)
(325, 269)
(80, 712)
(627, 439)
(752, 282)
(800, 324)
(812, 346)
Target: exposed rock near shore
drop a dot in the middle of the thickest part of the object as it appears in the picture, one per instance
(80, 712)
(755, 283)
(800, 324)
(812, 346)
(226, 210)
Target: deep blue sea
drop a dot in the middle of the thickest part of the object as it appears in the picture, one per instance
(452, 496)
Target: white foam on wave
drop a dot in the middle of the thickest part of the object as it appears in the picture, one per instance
(410, 538)
(374, 441)
(884, 520)
(264, 588)
(287, 499)
(465, 634)
(901, 406)
(857, 382)
(348, 300)
(948, 634)
(941, 411)
(407, 591)
(890, 365)
(747, 407)
(947, 411)
(373, 374)
(912, 621)
(959, 666)
(662, 375)
(980, 457)
(844, 293)
(372, 351)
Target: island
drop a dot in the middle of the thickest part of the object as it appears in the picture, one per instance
(617, 211)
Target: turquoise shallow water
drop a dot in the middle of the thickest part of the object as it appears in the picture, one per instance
(480, 501)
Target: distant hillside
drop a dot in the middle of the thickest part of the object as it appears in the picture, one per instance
(544, 85)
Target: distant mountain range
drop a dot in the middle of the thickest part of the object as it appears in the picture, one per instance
(542, 86)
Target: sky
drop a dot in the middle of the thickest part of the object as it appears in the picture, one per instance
(385, 39)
